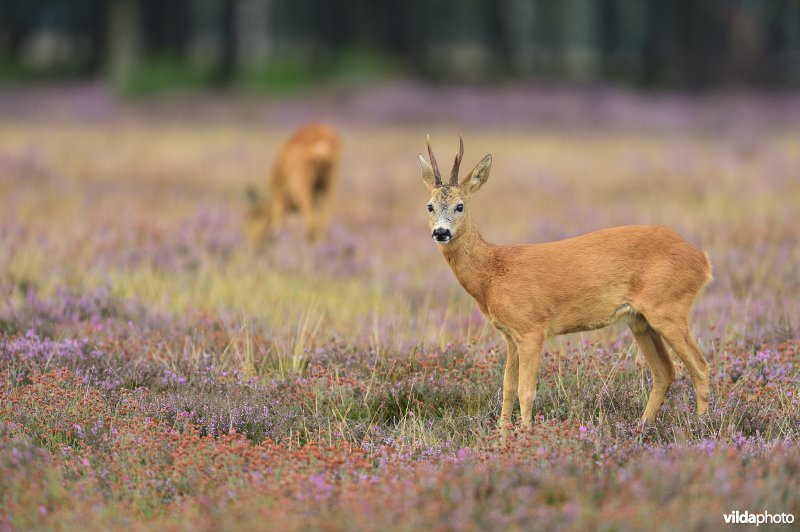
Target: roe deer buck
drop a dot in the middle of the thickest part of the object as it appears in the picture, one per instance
(645, 274)
(303, 177)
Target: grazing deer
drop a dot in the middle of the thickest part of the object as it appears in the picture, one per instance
(645, 274)
(303, 177)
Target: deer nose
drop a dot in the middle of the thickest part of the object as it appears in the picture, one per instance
(441, 234)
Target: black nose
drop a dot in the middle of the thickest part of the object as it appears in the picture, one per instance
(441, 234)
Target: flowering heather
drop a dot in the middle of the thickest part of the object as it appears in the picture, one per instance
(156, 371)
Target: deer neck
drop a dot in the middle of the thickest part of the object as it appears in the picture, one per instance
(470, 257)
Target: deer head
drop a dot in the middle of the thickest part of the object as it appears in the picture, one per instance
(256, 222)
(448, 209)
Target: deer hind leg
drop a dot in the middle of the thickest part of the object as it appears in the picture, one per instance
(655, 353)
(530, 358)
(510, 382)
(322, 205)
(323, 199)
(677, 335)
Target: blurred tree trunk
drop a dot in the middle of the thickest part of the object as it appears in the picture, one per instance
(581, 50)
(179, 25)
(98, 36)
(12, 30)
(653, 48)
(166, 27)
(610, 36)
(621, 40)
(548, 39)
(123, 39)
(701, 32)
(503, 34)
(744, 40)
(251, 27)
(782, 43)
(226, 67)
(417, 39)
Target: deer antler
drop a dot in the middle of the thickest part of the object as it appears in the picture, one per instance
(457, 163)
(436, 174)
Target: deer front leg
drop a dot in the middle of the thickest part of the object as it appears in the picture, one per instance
(510, 382)
(276, 214)
(308, 210)
(530, 357)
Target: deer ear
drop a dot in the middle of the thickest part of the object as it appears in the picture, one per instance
(475, 179)
(252, 196)
(427, 172)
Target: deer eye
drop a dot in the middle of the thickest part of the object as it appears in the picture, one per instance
(460, 207)
(430, 207)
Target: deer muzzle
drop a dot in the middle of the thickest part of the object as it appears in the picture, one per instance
(442, 235)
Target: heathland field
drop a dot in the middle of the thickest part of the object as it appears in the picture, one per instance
(159, 372)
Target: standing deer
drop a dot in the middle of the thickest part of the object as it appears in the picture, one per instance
(645, 274)
(303, 177)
